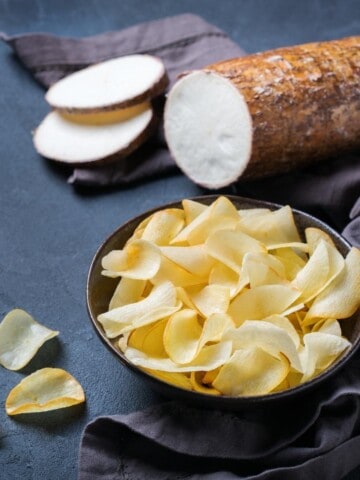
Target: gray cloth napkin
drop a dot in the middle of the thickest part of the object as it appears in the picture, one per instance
(318, 436)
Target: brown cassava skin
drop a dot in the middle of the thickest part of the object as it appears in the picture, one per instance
(304, 102)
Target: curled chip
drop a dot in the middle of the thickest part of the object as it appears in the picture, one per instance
(44, 390)
(251, 371)
(20, 338)
(139, 259)
(230, 302)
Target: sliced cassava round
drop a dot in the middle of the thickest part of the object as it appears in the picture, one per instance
(96, 138)
(117, 83)
(265, 113)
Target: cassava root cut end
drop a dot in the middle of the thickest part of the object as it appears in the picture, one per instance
(266, 113)
(94, 139)
(208, 128)
(113, 84)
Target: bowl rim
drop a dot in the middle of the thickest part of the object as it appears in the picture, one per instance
(191, 395)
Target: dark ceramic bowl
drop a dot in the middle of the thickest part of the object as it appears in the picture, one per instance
(100, 290)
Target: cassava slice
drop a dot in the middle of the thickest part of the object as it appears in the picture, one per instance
(96, 138)
(113, 84)
(266, 113)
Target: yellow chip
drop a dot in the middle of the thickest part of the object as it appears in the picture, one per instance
(44, 390)
(149, 339)
(178, 379)
(182, 335)
(229, 247)
(128, 290)
(139, 260)
(226, 277)
(220, 215)
(170, 271)
(330, 325)
(263, 269)
(322, 268)
(211, 299)
(341, 298)
(199, 386)
(251, 371)
(193, 259)
(160, 303)
(320, 351)
(210, 376)
(20, 338)
(314, 235)
(271, 228)
(284, 323)
(192, 210)
(164, 226)
(292, 262)
(261, 302)
(209, 358)
(269, 337)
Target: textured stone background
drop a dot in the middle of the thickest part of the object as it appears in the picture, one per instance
(49, 232)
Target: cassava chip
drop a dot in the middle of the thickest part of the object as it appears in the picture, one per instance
(220, 215)
(229, 247)
(128, 290)
(170, 271)
(271, 228)
(284, 323)
(209, 358)
(330, 325)
(199, 386)
(193, 259)
(192, 210)
(341, 298)
(139, 260)
(322, 268)
(314, 235)
(43, 390)
(269, 337)
(225, 276)
(149, 339)
(184, 336)
(160, 303)
(174, 378)
(263, 269)
(164, 226)
(251, 371)
(261, 302)
(211, 299)
(20, 338)
(320, 350)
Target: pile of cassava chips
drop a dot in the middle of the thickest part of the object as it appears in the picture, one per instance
(230, 302)
(102, 113)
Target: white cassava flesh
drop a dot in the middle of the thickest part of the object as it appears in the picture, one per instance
(95, 138)
(116, 83)
(208, 128)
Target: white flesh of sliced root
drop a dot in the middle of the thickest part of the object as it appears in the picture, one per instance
(208, 128)
(116, 83)
(93, 138)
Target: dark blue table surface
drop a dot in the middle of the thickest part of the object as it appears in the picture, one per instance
(49, 232)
